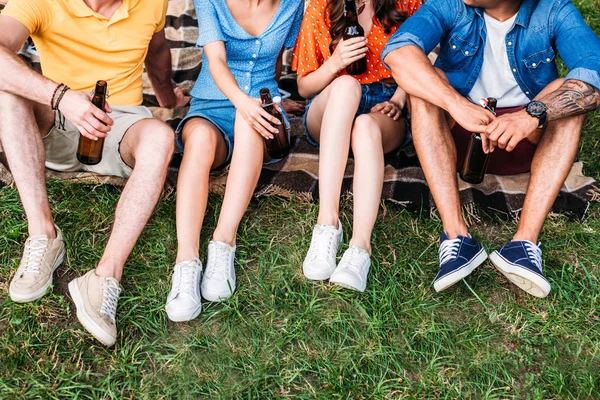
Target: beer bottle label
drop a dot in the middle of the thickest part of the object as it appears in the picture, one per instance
(352, 31)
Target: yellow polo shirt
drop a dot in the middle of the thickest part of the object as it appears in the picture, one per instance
(79, 47)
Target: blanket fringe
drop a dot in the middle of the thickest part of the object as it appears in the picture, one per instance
(594, 194)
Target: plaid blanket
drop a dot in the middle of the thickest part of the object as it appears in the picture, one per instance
(297, 175)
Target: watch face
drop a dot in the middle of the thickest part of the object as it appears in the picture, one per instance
(536, 108)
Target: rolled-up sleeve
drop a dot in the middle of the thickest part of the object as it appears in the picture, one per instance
(577, 44)
(425, 28)
(209, 29)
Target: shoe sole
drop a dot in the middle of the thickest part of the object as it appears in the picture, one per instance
(526, 280)
(85, 320)
(462, 273)
(215, 297)
(317, 276)
(346, 285)
(41, 292)
(184, 316)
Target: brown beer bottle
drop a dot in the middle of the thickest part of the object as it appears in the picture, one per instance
(89, 151)
(353, 29)
(279, 146)
(476, 161)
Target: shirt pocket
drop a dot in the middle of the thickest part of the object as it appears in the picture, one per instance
(541, 66)
(457, 54)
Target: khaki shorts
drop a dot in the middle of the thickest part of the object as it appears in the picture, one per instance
(63, 139)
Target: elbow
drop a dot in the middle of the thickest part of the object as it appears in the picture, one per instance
(303, 89)
(304, 93)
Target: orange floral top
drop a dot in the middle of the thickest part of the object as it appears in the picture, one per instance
(312, 46)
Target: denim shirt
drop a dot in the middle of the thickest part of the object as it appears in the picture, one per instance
(251, 59)
(543, 29)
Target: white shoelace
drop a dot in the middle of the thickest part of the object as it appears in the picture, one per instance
(354, 260)
(218, 260)
(535, 254)
(35, 250)
(449, 250)
(322, 242)
(110, 297)
(184, 281)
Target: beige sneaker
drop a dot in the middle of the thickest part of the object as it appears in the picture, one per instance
(40, 259)
(96, 298)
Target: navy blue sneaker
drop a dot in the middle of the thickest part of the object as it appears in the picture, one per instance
(458, 258)
(521, 263)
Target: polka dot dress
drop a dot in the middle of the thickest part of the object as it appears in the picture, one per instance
(312, 46)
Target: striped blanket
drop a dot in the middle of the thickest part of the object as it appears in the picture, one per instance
(297, 175)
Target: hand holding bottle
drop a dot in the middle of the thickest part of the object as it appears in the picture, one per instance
(349, 51)
(252, 111)
(92, 122)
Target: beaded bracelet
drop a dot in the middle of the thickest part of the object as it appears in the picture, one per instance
(54, 94)
(60, 96)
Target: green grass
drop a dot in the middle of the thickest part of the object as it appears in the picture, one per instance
(282, 336)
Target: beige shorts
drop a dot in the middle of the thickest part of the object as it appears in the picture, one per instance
(62, 141)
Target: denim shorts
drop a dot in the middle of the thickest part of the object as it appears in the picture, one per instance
(372, 94)
(221, 113)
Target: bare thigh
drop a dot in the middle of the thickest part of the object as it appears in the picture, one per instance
(199, 133)
(314, 118)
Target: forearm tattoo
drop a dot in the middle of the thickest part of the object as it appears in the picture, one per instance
(572, 98)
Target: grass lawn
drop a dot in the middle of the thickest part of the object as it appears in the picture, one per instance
(282, 336)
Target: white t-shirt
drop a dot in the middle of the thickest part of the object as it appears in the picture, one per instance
(496, 78)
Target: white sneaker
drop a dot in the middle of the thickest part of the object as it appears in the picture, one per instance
(320, 260)
(353, 269)
(218, 282)
(184, 302)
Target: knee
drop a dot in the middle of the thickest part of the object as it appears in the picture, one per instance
(365, 133)
(198, 138)
(160, 139)
(346, 87)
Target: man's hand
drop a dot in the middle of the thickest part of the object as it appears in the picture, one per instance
(471, 117)
(508, 130)
(92, 122)
(182, 99)
(390, 108)
(292, 108)
(252, 111)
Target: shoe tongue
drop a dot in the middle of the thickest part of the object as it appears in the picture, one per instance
(359, 250)
(112, 281)
(443, 237)
(38, 237)
(223, 244)
(525, 241)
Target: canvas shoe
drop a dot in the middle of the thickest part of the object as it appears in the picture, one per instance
(353, 269)
(218, 282)
(41, 257)
(458, 258)
(521, 263)
(184, 302)
(320, 261)
(96, 298)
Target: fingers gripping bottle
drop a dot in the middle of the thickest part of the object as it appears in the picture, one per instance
(353, 29)
(476, 161)
(279, 146)
(89, 151)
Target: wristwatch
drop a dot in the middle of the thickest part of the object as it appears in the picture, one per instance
(537, 109)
